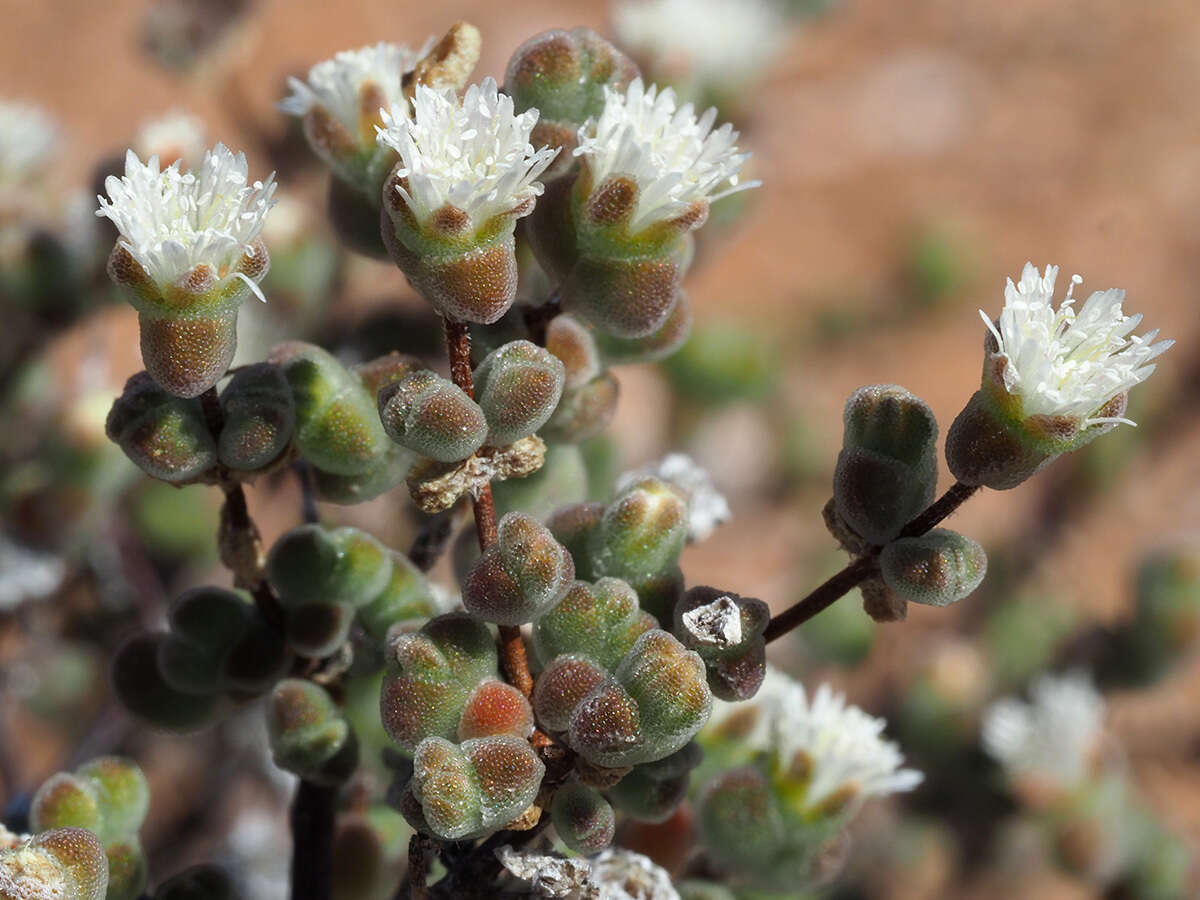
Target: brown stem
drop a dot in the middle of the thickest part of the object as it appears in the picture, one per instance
(415, 885)
(313, 814)
(512, 645)
(862, 568)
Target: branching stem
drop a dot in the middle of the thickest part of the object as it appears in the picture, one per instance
(859, 570)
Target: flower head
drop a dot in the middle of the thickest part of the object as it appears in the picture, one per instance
(836, 750)
(190, 227)
(1053, 736)
(341, 104)
(675, 158)
(1068, 362)
(709, 42)
(28, 138)
(473, 155)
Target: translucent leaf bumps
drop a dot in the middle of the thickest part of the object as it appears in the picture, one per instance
(582, 817)
(64, 862)
(936, 569)
(887, 471)
(109, 797)
(163, 435)
(653, 704)
(432, 416)
(325, 578)
(601, 621)
(521, 576)
(653, 791)
(259, 418)
(308, 733)
(471, 789)
(430, 676)
(518, 387)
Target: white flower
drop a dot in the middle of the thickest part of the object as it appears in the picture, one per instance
(707, 507)
(674, 158)
(1051, 737)
(839, 747)
(340, 85)
(714, 42)
(26, 574)
(28, 138)
(172, 221)
(474, 155)
(177, 135)
(1065, 362)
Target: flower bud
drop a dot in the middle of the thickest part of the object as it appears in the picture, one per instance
(141, 688)
(582, 817)
(887, 471)
(576, 348)
(521, 576)
(308, 733)
(518, 387)
(63, 862)
(936, 569)
(584, 412)
(562, 74)
(659, 344)
(259, 418)
(432, 416)
(468, 790)
(431, 675)
(457, 246)
(493, 708)
(562, 685)
(641, 533)
(337, 423)
(726, 630)
(601, 621)
(202, 882)
(653, 792)
(654, 703)
(163, 435)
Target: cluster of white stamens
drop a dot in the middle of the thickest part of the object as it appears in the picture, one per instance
(172, 221)
(472, 154)
(674, 157)
(1068, 362)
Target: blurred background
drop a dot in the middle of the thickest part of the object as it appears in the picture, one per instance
(913, 155)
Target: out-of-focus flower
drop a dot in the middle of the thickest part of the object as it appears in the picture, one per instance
(707, 48)
(340, 104)
(28, 140)
(1053, 380)
(467, 172)
(26, 574)
(1053, 737)
(707, 506)
(176, 136)
(675, 158)
(188, 254)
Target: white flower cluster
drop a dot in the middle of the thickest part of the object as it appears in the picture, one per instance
(172, 221)
(1053, 736)
(842, 746)
(707, 506)
(674, 157)
(28, 138)
(472, 154)
(336, 85)
(718, 42)
(1064, 362)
